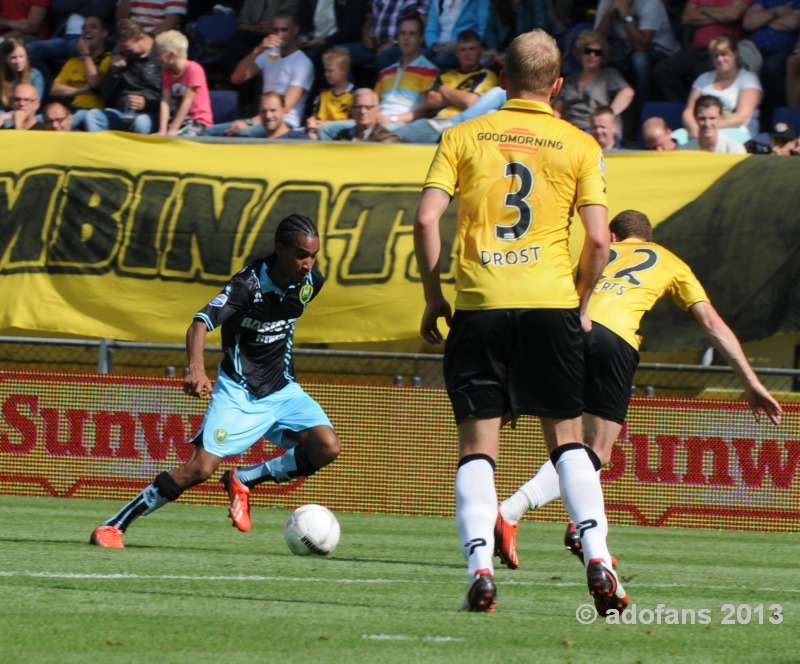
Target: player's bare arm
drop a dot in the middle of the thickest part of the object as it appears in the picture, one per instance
(725, 341)
(196, 383)
(428, 249)
(594, 255)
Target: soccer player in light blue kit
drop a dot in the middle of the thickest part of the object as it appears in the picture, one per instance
(255, 394)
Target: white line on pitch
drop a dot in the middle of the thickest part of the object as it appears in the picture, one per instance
(407, 637)
(258, 577)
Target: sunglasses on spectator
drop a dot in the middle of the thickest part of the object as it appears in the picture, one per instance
(54, 120)
(593, 51)
(26, 100)
(363, 108)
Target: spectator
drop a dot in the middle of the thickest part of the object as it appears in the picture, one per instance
(705, 20)
(594, 85)
(447, 20)
(773, 27)
(16, 68)
(24, 19)
(155, 16)
(271, 110)
(402, 87)
(185, 102)
(284, 69)
(604, 127)
(783, 139)
(378, 47)
(131, 88)
(453, 91)
(707, 116)
(657, 135)
(327, 23)
(334, 102)
(24, 105)
(640, 35)
(56, 117)
(80, 76)
(509, 18)
(738, 90)
(367, 128)
(49, 55)
(255, 23)
(792, 85)
(780, 140)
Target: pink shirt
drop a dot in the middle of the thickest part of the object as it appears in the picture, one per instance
(192, 77)
(702, 36)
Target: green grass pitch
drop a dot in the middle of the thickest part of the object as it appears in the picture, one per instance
(190, 588)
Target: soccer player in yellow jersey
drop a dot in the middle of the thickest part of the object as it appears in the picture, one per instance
(639, 273)
(515, 343)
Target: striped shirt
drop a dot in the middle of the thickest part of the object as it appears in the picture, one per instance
(386, 14)
(150, 13)
(400, 89)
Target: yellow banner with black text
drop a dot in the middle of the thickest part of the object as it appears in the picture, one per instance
(126, 237)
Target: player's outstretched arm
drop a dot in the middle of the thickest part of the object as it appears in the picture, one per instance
(428, 250)
(725, 341)
(196, 382)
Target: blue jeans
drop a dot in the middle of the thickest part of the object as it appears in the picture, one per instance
(327, 130)
(419, 131)
(79, 118)
(491, 100)
(102, 119)
(256, 131)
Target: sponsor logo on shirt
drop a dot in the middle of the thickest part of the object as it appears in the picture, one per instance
(219, 301)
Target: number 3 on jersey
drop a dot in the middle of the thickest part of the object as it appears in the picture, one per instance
(517, 200)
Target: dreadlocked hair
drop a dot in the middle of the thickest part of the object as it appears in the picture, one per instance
(292, 227)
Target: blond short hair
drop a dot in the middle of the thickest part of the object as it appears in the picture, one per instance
(533, 63)
(172, 41)
(337, 56)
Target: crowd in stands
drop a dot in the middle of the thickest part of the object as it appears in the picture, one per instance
(402, 70)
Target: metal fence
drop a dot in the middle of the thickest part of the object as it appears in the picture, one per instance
(355, 367)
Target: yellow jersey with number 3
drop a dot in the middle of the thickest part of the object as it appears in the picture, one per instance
(519, 173)
(637, 276)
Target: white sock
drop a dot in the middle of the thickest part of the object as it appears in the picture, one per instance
(514, 507)
(476, 512)
(276, 469)
(543, 488)
(583, 498)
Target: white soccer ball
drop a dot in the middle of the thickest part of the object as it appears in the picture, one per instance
(312, 529)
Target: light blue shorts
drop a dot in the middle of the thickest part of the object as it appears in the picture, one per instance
(235, 419)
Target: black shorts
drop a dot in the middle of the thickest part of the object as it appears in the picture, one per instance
(610, 365)
(515, 361)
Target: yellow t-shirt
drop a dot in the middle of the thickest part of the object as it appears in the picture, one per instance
(333, 106)
(479, 82)
(74, 75)
(637, 276)
(519, 173)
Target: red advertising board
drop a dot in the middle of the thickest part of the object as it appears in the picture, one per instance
(678, 462)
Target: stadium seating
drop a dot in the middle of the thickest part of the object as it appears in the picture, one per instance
(211, 33)
(224, 105)
(788, 114)
(671, 111)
